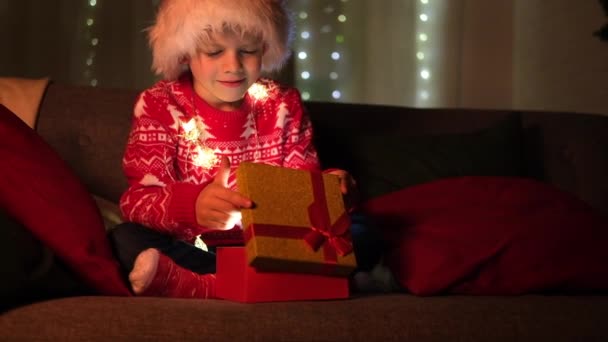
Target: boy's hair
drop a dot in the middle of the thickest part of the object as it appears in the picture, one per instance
(183, 25)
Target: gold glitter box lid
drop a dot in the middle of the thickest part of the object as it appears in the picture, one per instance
(282, 198)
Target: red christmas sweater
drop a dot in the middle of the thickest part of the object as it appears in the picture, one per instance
(160, 160)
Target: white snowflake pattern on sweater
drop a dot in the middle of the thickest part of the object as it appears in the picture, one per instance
(163, 180)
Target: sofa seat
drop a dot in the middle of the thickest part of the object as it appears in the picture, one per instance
(371, 318)
(387, 148)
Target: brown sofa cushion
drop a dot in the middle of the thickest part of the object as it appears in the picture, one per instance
(373, 318)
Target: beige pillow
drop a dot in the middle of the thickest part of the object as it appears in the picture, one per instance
(23, 96)
(110, 212)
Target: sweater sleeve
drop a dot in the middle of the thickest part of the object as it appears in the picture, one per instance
(300, 153)
(155, 198)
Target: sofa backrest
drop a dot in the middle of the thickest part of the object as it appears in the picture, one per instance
(569, 150)
(88, 126)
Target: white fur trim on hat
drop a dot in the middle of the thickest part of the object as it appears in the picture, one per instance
(181, 24)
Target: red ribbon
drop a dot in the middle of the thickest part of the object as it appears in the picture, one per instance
(333, 238)
(323, 233)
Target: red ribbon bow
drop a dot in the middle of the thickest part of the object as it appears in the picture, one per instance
(333, 238)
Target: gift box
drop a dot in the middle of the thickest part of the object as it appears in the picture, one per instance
(237, 281)
(298, 222)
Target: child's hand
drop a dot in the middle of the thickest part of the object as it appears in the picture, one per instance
(348, 187)
(218, 207)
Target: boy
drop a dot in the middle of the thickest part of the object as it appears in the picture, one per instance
(193, 128)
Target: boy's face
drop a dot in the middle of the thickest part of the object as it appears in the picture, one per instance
(224, 69)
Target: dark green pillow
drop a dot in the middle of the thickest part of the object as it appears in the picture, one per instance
(384, 164)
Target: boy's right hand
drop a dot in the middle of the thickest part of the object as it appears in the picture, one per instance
(218, 207)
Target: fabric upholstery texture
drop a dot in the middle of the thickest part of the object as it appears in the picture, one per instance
(90, 134)
(493, 151)
(395, 317)
(570, 150)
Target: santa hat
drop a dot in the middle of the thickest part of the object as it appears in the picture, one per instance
(181, 25)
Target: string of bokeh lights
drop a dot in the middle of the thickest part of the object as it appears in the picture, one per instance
(307, 35)
(310, 37)
(423, 48)
(92, 42)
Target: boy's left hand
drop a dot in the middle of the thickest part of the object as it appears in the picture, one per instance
(348, 187)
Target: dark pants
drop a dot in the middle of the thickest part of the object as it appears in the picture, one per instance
(130, 239)
(367, 242)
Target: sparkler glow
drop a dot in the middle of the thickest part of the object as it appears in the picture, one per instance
(203, 156)
(258, 91)
(191, 132)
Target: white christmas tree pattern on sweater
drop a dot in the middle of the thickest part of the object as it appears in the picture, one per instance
(164, 181)
(249, 128)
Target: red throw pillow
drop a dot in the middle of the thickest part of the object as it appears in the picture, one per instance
(40, 191)
(492, 236)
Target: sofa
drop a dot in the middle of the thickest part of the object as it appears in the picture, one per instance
(88, 127)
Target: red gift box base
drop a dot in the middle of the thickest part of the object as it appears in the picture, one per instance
(240, 282)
